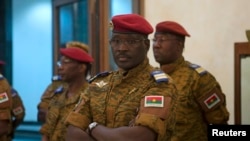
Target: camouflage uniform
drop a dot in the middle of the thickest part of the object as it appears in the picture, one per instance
(5, 106)
(46, 97)
(200, 101)
(18, 110)
(59, 107)
(117, 99)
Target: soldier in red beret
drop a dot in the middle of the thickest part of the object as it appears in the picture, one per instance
(133, 103)
(200, 99)
(75, 65)
(48, 94)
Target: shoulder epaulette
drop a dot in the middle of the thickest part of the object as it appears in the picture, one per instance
(198, 69)
(160, 76)
(1, 77)
(59, 89)
(106, 73)
(13, 92)
(56, 78)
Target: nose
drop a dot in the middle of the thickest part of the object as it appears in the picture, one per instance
(123, 46)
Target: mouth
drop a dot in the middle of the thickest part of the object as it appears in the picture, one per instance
(122, 58)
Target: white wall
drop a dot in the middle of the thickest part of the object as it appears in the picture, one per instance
(214, 25)
(32, 51)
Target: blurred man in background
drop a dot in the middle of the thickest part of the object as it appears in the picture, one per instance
(11, 108)
(56, 82)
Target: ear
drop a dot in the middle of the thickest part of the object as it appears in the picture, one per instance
(180, 46)
(83, 67)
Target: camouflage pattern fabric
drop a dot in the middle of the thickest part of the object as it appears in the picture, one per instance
(116, 99)
(5, 105)
(59, 107)
(46, 98)
(18, 110)
(195, 86)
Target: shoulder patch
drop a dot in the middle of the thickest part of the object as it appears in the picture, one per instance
(59, 89)
(1, 77)
(3, 97)
(56, 78)
(211, 100)
(198, 69)
(18, 110)
(160, 76)
(106, 73)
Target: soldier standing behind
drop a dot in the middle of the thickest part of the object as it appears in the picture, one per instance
(200, 99)
(135, 102)
(75, 66)
(48, 94)
(18, 110)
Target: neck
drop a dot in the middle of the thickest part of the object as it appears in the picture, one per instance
(75, 86)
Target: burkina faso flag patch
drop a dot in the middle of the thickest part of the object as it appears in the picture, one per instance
(3, 97)
(212, 101)
(154, 101)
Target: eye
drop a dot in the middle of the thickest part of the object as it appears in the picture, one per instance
(115, 41)
(131, 42)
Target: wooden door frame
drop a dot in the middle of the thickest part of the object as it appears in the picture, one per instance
(240, 50)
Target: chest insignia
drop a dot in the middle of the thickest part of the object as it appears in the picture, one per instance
(101, 84)
(154, 101)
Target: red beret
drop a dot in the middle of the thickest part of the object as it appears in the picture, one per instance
(130, 23)
(77, 54)
(173, 27)
(2, 62)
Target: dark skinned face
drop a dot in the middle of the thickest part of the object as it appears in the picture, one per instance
(129, 50)
(70, 69)
(166, 48)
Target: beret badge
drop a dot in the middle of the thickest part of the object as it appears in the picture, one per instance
(111, 25)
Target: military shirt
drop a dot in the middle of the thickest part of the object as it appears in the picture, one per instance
(200, 100)
(18, 110)
(5, 105)
(120, 98)
(59, 107)
(46, 97)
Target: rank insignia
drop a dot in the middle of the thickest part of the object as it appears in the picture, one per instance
(13, 92)
(59, 89)
(159, 76)
(212, 101)
(3, 97)
(1, 76)
(101, 84)
(154, 101)
(198, 69)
